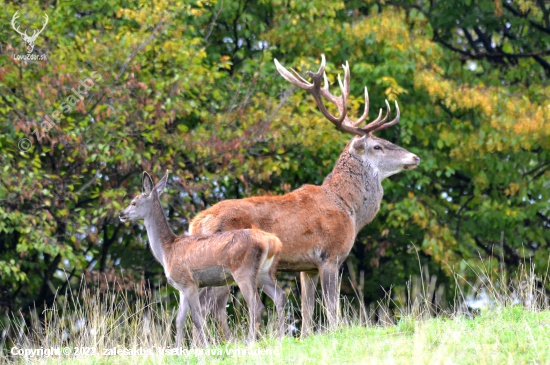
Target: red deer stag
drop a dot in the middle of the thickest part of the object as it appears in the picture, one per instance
(248, 257)
(317, 225)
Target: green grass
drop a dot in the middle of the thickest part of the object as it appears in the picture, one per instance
(423, 333)
(510, 335)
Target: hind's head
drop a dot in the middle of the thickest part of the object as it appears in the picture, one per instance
(142, 205)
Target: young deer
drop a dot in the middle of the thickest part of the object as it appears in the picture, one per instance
(248, 257)
(317, 225)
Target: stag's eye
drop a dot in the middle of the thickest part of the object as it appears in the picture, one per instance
(134, 204)
(377, 148)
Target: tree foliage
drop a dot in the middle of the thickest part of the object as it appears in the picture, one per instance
(190, 86)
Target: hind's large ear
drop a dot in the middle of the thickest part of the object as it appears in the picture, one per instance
(162, 184)
(359, 144)
(147, 183)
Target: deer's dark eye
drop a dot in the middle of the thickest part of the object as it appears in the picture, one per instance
(134, 204)
(377, 148)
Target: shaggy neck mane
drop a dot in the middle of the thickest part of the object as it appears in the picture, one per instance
(357, 185)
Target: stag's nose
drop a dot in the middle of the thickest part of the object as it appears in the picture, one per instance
(416, 159)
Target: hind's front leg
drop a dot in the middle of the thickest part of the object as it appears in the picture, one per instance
(192, 295)
(183, 310)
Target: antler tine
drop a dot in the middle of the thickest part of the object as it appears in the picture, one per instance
(315, 89)
(301, 83)
(366, 112)
(37, 32)
(297, 75)
(377, 118)
(317, 75)
(340, 101)
(392, 123)
(46, 18)
(372, 126)
(326, 93)
(347, 78)
(13, 20)
(326, 81)
(347, 85)
(343, 122)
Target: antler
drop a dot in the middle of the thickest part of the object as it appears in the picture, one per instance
(13, 19)
(46, 23)
(315, 88)
(35, 33)
(343, 122)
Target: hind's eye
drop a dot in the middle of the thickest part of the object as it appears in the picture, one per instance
(377, 148)
(134, 204)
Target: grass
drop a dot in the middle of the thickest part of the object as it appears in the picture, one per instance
(511, 335)
(512, 327)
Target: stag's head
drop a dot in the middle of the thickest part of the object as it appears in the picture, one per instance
(29, 40)
(384, 156)
(144, 204)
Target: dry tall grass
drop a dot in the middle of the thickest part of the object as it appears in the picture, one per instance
(84, 319)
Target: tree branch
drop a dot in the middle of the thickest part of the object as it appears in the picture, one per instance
(518, 14)
(504, 54)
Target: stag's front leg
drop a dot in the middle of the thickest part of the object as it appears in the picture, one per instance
(183, 310)
(331, 290)
(308, 281)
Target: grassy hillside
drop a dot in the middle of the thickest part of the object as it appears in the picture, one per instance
(512, 326)
(511, 335)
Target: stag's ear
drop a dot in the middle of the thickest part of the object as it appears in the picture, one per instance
(162, 184)
(147, 183)
(359, 144)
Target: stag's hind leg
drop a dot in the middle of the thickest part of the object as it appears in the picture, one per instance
(214, 299)
(266, 281)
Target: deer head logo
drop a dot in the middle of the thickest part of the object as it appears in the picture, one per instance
(29, 40)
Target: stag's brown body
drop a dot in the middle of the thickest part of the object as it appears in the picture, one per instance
(311, 222)
(317, 225)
